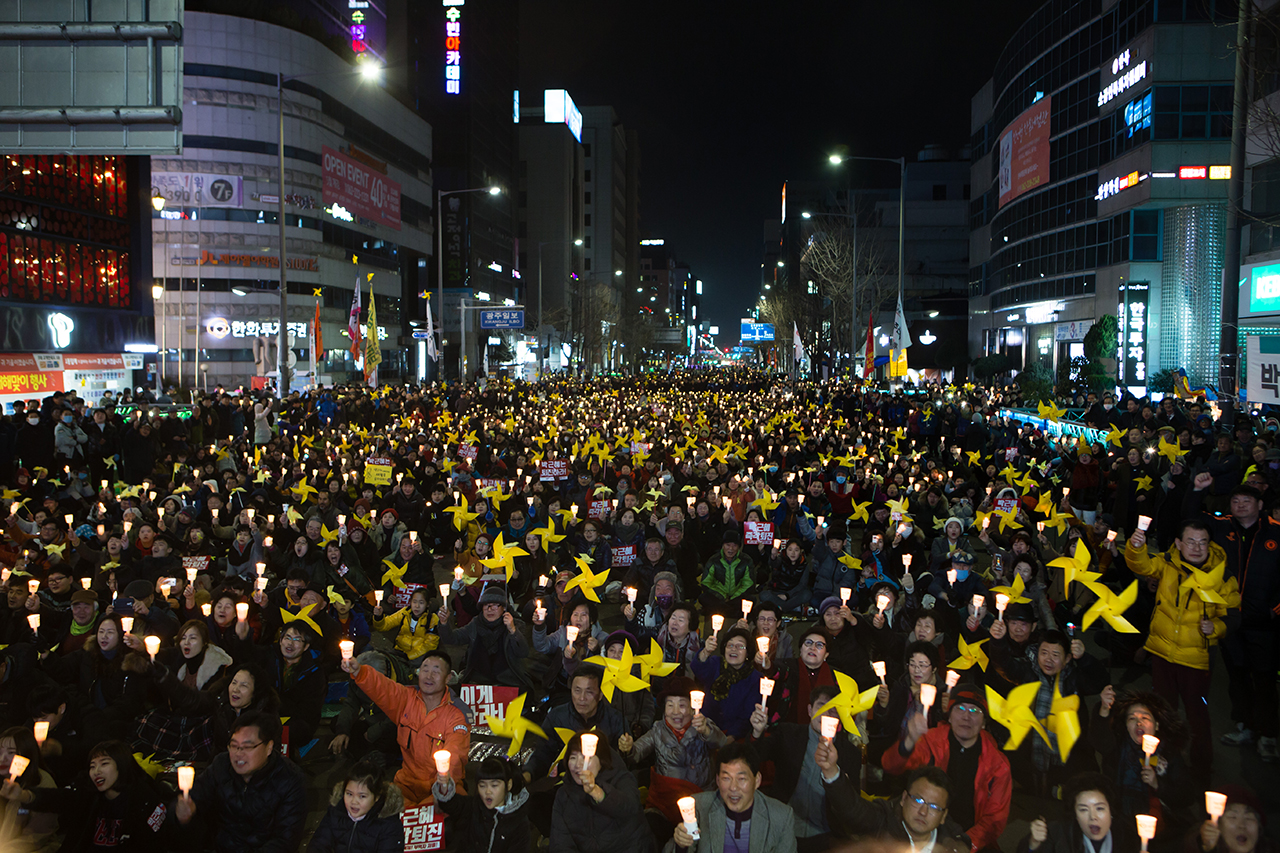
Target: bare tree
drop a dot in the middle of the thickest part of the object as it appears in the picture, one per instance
(837, 257)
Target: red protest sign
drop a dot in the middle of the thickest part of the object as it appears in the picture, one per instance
(758, 533)
(1006, 504)
(554, 469)
(197, 563)
(599, 509)
(401, 598)
(468, 452)
(423, 829)
(487, 700)
(624, 555)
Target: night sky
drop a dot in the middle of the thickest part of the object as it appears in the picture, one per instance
(729, 105)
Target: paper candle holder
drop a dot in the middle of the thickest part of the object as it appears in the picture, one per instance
(951, 577)
(17, 766)
(206, 608)
(953, 678)
(1144, 521)
(33, 586)
(689, 814)
(882, 602)
(589, 743)
(845, 594)
(186, 779)
(152, 643)
(696, 698)
(717, 622)
(1146, 828)
(766, 688)
(377, 595)
(830, 725)
(444, 591)
(242, 610)
(571, 631)
(878, 666)
(928, 695)
(631, 594)
(1215, 804)
(443, 759)
(348, 648)
(34, 621)
(746, 608)
(906, 562)
(126, 624)
(762, 644)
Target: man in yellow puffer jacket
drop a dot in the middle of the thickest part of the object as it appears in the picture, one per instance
(1184, 625)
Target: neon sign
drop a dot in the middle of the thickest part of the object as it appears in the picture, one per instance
(1133, 333)
(453, 47)
(1106, 189)
(1187, 173)
(1137, 114)
(1124, 82)
(559, 108)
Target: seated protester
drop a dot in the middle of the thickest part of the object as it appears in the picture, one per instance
(565, 656)
(737, 815)
(848, 648)
(1064, 663)
(768, 623)
(585, 710)
(350, 621)
(205, 718)
(64, 750)
(76, 627)
(958, 596)
(897, 704)
(196, 661)
(250, 797)
(360, 725)
(788, 584)
(727, 577)
(427, 720)
(289, 595)
(345, 577)
(54, 597)
(244, 553)
(14, 627)
(168, 731)
(1035, 586)
(20, 673)
(414, 626)
(651, 561)
(805, 764)
(981, 785)
(928, 625)
(647, 619)
(678, 637)
(226, 631)
(363, 814)
(1116, 732)
(827, 575)
(953, 539)
(109, 680)
(1092, 822)
(637, 707)
(1239, 830)
(597, 808)
(1015, 640)
(881, 565)
(466, 598)
(117, 806)
(151, 613)
(23, 828)
(496, 648)
(300, 681)
(680, 745)
(496, 817)
(313, 611)
(797, 679)
(920, 819)
(731, 681)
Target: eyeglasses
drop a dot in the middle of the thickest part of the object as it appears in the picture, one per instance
(736, 647)
(968, 709)
(243, 747)
(814, 644)
(933, 807)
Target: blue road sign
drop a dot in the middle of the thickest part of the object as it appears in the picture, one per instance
(502, 318)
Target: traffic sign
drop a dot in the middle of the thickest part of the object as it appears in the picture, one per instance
(502, 318)
(757, 331)
(421, 335)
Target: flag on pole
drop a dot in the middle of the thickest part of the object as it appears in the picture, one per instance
(316, 344)
(901, 338)
(432, 352)
(372, 346)
(353, 324)
(799, 346)
(869, 365)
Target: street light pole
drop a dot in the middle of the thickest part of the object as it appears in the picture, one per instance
(440, 195)
(282, 339)
(576, 242)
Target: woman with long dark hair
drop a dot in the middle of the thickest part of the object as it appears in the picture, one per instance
(1090, 825)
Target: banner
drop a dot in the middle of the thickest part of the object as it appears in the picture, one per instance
(197, 563)
(554, 469)
(1262, 359)
(199, 189)
(757, 533)
(487, 700)
(1024, 152)
(624, 556)
(377, 471)
(402, 596)
(423, 829)
(359, 189)
(468, 452)
(1006, 504)
(599, 510)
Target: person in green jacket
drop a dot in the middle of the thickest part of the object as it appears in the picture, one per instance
(726, 578)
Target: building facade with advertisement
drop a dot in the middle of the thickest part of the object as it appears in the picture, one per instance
(1100, 152)
(358, 201)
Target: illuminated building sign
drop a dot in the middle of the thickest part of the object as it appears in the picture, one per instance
(60, 328)
(1115, 186)
(515, 106)
(221, 327)
(559, 108)
(1193, 172)
(1137, 114)
(453, 46)
(1264, 289)
(1219, 173)
(1132, 351)
(1124, 82)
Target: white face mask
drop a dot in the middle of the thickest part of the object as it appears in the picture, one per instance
(33, 421)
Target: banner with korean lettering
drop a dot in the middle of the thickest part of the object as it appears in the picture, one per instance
(599, 509)
(402, 596)
(554, 469)
(1134, 331)
(757, 533)
(486, 700)
(1023, 152)
(1262, 379)
(623, 556)
(423, 829)
(358, 188)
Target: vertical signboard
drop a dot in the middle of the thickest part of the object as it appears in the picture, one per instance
(1262, 381)
(1024, 152)
(1133, 334)
(453, 46)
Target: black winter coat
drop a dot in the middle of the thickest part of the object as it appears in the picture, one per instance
(136, 820)
(380, 833)
(501, 830)
(266, 814)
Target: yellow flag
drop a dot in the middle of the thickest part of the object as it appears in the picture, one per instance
(897, 363)
(372, 347)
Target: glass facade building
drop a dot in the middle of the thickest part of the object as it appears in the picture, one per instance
(1099, 162)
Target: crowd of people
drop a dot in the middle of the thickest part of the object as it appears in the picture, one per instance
(715, 611)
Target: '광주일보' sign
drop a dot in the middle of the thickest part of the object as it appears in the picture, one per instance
(360, 189)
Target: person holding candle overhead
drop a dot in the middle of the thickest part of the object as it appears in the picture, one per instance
(899, 702)
(731, 681)
(496, 817)
(1091, 822)
(789, 577)
(798, 678)
(1237, 828)
(597, 808)
(1184, 626)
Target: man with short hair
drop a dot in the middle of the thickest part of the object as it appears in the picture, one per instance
(250, 797)
(919, 819)
(970, 757)
(585, 710)
(737, 815)
(427, 718)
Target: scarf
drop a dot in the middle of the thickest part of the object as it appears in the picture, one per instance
(728, 677)
(625, 532)
(78, 630)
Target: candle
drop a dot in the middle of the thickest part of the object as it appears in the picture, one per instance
(342, 520)
(413, 536)
(589, 742)
(266, 542)
(1002, 601)
(762, 643)
(443, 758)
(1066, 492)
(986, 522)
(33, 586)
(829, 727)
(906, 563)
(34, 621)
(261, 584)
(128, 525)
(1144, 521)
(249, 511)
(766, 689)
(845, 594)
(746, 608)
(41, 731)
(953, 678)
(444, 591)
(206, 608)
(542, 580)
(186, 779)
(1215, 804)
(153, 645)
(1111, 536)
(695, 700)
(879, 668)
(164, 589)
(979, 601)
(928, 693)
(882, 602)
(1149, 745)
(821, 520)
(242, 611)
(540, 612)
(102, 531)
(457, 573)
(631, 594)
(571, 631)
(1040, 526)
(348, 648)
(717, 622)
(377, 596)
(951, 577)
(86, 582)
(689, 812)
(18, 766)
(126, 624)
(191, 575)
(1146, 829)
(70, 519)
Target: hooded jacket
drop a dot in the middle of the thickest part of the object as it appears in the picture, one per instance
(1175, 624)
(504, 829)
(727, 577)
(615, 825)
(382, 832)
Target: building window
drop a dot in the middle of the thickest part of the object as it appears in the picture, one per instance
(586, 198)
(939, 192)
(586, 149)
(586, 219)
(586, 176)
(586, 242)
(586, 263)
(1145, 235)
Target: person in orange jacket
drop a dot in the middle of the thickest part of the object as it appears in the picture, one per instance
(426, 721)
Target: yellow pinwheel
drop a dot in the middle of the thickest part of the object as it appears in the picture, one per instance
(1008, 517)
(653, 663)
(1144, 483)
(898, 506)
(60, 550)
(1075, 567)
(303, 615)
(548, 536)
(970, 654)
(974, 456)
(148, 764)
(1057, 521)
(766, 502)
(1050, 412)
(504, 554)
(514, 725)
(1206, 584)
(394, 574)
(1014, 591)
(327, 535)
(850, 701)
(1114, 436)
(1015, 714)
(1171, 450)
(566, 735)
(334, 597)
(1110, 606)
(460, 514)
(1063, 721)
(588, 580)
(849, 560)
(617, 673)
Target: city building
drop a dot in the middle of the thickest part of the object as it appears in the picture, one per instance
(358, 208)
(670, 299)
(1100, 159)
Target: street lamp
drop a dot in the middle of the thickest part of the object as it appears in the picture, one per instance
(157, 295)
(577, 242)
(440, 194)
(369, 71)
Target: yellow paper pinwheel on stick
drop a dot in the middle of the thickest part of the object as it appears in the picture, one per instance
(514, 725)
(1050, 412)
(850, 701)
(1015, 714)
(1014, 591)
(588, 580)
(1063, 721)
(394, 574)
(1075, 567)
(504, 554)
(1110, 606)
(652, 663)
(617, 673)
(860, 512)
(303, 615)
(460, 514)
(1206, 584)
(565, 735)
(548, 536)
(970, 654)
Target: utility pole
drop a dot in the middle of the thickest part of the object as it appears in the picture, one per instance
(1229, 342)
